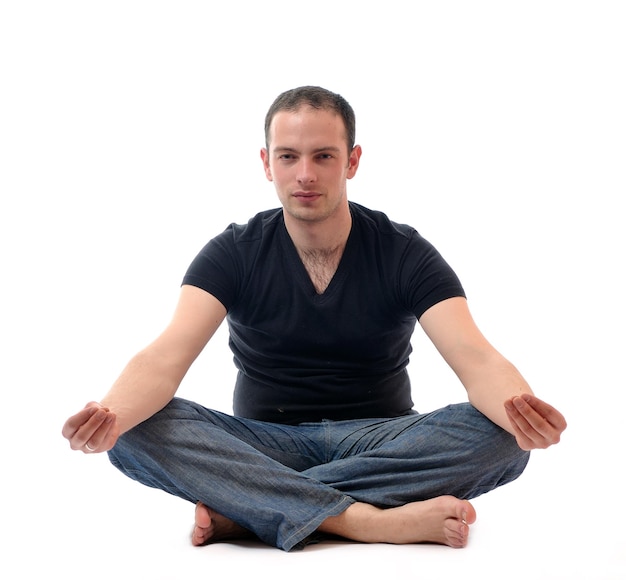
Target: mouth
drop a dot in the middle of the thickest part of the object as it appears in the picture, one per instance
(306, 195)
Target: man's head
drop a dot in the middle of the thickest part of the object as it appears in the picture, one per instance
(310, 154)
(316, 98)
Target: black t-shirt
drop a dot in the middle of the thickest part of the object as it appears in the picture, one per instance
(304, 356)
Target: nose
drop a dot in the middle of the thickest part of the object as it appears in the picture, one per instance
(306, 172)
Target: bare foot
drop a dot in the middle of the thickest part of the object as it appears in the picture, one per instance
(212, 527)
(441, 520)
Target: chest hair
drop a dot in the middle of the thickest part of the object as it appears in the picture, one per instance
(321, 266)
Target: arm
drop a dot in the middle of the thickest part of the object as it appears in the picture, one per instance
(152, 376)
(494, 386)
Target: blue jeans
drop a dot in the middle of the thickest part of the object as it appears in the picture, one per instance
(281, 481)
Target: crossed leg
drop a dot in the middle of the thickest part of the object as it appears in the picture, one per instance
(387, 481)
(441, 520)
(488, 458)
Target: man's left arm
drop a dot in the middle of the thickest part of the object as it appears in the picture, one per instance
(494, 386)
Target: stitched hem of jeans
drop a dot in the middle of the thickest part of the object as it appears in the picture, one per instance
(307, 534)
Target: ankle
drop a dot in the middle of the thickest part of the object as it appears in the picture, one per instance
(360, 522)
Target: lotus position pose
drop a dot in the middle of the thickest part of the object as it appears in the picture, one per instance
(321, 297)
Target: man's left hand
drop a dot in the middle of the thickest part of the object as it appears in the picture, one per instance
(536, 424)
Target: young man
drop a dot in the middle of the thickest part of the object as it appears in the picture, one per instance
(321, 298)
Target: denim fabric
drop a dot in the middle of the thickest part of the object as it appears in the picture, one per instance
(282, 481)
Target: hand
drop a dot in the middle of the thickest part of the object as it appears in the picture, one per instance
(536, 424)
(92, 430)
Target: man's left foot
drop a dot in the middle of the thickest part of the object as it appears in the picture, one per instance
(212, 527)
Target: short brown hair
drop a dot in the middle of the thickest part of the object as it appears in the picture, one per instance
(318, 98)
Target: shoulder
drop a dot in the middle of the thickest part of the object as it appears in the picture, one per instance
(380, 222)
(225, 263)
(376, 228)
(256, 227)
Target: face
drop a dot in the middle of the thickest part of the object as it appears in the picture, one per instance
(309, 163)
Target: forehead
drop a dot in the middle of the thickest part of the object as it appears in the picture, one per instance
(305, 124)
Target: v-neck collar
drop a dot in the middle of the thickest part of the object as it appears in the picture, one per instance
(295, 265)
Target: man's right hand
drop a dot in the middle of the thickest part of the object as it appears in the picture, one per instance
(92, 430)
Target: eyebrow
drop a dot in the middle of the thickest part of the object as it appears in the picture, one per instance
(316, 150)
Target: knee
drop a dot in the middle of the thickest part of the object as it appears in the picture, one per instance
(500, 443)
(138, 441)
(144, 446)
(496, 447)
(127, 450)
(158, 434)
(156, 427)
(504, 456)
(512, 458)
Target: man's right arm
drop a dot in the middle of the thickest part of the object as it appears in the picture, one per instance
(152, 377)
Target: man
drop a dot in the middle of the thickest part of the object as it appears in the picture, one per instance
(321, 298)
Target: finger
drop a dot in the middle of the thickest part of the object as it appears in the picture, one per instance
(100, 439)
(535, 428)
(87, 430)
(530, 415)
(547, 411)
(520, 427)
(73, 424)
(546, 428)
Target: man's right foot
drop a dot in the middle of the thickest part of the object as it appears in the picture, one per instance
(441, 520)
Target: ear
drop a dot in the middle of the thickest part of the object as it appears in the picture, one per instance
(265, 156)
(353, 161)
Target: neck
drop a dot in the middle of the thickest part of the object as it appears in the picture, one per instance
(321, 238)
(320, 249)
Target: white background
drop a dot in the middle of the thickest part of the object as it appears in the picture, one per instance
(129, 135)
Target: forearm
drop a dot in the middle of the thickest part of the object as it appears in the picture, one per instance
(145, 386)
(490, 383)
(493, 384)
